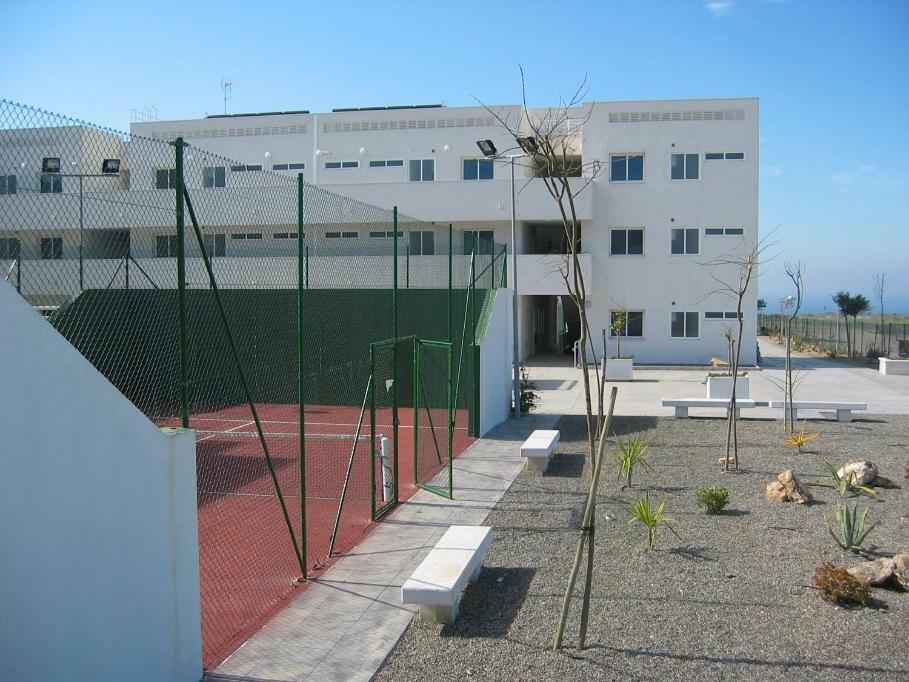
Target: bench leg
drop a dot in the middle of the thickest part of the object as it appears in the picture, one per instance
(681, 412)
(438, 614)
(536, 465)
(844, 415)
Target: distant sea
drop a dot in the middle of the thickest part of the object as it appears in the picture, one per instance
(824, 304)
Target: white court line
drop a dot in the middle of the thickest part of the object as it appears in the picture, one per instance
(240, 426)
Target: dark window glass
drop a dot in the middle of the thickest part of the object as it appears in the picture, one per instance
(333, 235)
(279, 166)
(735, 156)
(691, 325)
(677, 246)
(350, 164)
(635, 324)
(732, 315)
(415, 170)
(51, 183)
(636, 167)
(635, 242)
(471, 169)
(469, 241)
(429, 170)
(377, 164)
(714, 156)
(237, 169)
(7, 184)
(350, 235)
(394, 163)
(713, 316)
(254, 167)
(735, 231)
(161, 178)
(713, 231)
(691, 166)
(678, 325)
(691, 241)
(678, 167)
(332, 164)
(486, 169)
(239, 235)
(254, 235)
(380, 235)
(619, 246)
(296, 166)
(429, 244)
(619, 168)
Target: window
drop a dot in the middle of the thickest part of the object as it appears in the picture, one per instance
(166, 246)
(720, 231)
(483, 240)
(478, 169)
(216, 244)
(339, 165)
(51, 248)
(626, 167)
(389, 163)
(728, 315)
(727, 156)
(249, 168)
(626, 242)
(422, 243)
(422, 170)
(684, 325)
(51, 183)
(684, 241)
(634, 323)
(213, 176)
(342, 235)
(287, 166)
(165, 178)
(7, 184)
(684, 167)
(286, 235)
(382, 234)
(246, 235)
(9, 248)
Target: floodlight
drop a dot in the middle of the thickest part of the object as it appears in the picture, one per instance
(528, 144)
(110, 166)
(487, 148)
(50, 164)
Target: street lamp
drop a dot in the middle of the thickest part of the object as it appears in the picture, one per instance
(488, 149)
(50, 165)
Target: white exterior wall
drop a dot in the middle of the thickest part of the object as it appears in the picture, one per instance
(99, 568)
(495, 364)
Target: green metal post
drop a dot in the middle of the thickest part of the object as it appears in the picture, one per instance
(127, 270)
(19, 274)
(407, 264)
(394, 357)
(301, 369)
(307, 266)
(450, 423)
(416, 411)
(372, 432)
(181, 285)
(449, 284)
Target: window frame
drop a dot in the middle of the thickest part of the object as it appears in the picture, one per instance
(626, 230)
(342, 165)
(171, 177)
(477, 238)
(216, 239)
(56, 247)
(686, 157)
(627, 156)
(212, 181)
(626, 335)
(478, 160)
(8, 253)
(687, 231)
(422, 164)
(421, 235)
(172, 242)
(386, 163)
(724, 156)
(685, 313)
(56, 183)
(7, 182)
(724, 232)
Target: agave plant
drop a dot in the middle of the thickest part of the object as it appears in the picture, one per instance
(632, 453)
(801, 439)
(643, 512)
(844, 485)
(851, 526)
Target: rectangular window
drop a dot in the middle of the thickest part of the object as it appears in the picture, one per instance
(341, 165)
(216, 245)
(684, 167)
(482, 240)
(51, 248)
(626, 167)
(342, 235)
(165, 178)
(387, 163)
(720, 231)
(9, 248)
(478, 169)
(719, 315)
(422, 243)
(296, 166)
(213, 176)
(286, 235)
(382, 234)
(280, 166)
(684, 325)
(51, 183)
(422, 170)
(7, 184)
(166, 246)
(634, 323)
(727, 156)
(626, 242)
(253, 167)
(684, 241)
(246, 235)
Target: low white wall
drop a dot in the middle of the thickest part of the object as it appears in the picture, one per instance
(495, 364)
(99, 562)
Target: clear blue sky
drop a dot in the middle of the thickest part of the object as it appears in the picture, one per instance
(831, 75)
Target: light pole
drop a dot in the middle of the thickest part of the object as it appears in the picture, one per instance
(529, 147)
(109, 168)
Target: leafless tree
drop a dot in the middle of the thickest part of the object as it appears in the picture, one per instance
(795, 272)
(879, 295)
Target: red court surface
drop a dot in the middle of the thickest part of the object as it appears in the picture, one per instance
(248, 566)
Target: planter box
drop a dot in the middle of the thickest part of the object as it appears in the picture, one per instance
(619, 369)
(721, 387)
(889, 366)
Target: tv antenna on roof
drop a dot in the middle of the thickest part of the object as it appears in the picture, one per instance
(226, 86)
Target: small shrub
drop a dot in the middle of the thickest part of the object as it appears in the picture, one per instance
(798, 344)
(713, 498)
(838, 586)
(851, 527)
(643, 512)
(632, 453)
(529, 397)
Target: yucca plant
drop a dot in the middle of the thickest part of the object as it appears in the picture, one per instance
(643, 512)
(632, 453)
(851, 526)
(844, 485)
(801, 439)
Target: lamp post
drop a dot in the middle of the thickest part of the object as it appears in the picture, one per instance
(529, 147)
(109, 168)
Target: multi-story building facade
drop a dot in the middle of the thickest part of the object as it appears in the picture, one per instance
(677, 190)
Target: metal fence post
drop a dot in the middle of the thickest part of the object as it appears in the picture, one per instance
(181, 284)
(301, 369)
(394, 357)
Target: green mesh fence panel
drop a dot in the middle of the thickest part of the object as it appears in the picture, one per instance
(433, 416)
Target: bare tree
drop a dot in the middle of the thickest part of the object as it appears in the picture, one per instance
(795, 272)
(879, 295)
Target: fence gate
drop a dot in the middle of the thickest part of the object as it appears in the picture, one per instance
(433, 416)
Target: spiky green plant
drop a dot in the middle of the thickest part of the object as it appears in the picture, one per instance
(851, 527)
(844, 485)
(632, 453)
(643, 512)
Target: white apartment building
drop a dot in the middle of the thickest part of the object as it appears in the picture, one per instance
(678, 189)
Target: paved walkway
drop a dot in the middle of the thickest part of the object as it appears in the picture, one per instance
(344, 625)
(561, 388)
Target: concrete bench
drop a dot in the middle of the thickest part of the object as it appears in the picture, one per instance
(681, 405)
(889, 366)
(843, 410)
(438, 581)
(537, 450)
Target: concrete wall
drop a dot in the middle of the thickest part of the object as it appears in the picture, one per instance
(99, 568)
(495, 363)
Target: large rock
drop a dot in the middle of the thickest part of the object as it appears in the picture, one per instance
(873, 573)
(858, 473)
(787, 489)
(901, 570)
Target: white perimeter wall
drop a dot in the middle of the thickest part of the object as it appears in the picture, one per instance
(99, 564)
(495, 364)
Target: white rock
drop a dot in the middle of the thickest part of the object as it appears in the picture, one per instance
(858, 473)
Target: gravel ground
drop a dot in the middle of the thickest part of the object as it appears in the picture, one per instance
(732, 597)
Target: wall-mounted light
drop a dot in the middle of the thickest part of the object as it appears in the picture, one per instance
(362, 151)
(267, 155)
(446, 148)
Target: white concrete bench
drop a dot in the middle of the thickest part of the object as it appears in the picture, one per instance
(438, 581)
(681, 405)
(843, 410)
(889, 366)
(537, 450)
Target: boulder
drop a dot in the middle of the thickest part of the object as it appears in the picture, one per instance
(874, 573)
(901, 570)
(787, 489)
(858, 473)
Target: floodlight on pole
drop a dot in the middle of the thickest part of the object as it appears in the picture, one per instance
(528, 144)
(487, 148)
(110, 166)
(50, 164)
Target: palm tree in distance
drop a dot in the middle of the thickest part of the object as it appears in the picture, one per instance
(851, 306)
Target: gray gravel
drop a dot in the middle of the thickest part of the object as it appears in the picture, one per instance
(731, 598)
